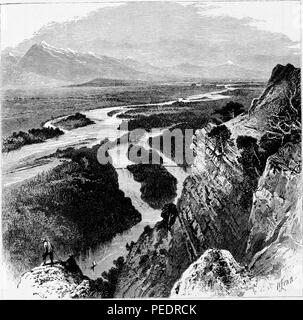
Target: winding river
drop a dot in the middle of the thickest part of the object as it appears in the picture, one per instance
(22, 164)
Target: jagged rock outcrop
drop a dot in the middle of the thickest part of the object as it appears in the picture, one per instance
(275, 241)
(215, 273)
(256, 217)
(274, 247)
(60, 281)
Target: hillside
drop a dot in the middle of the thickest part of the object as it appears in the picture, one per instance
(243, 200)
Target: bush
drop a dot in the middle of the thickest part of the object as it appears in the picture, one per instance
(108, 287)
(252, 160)
(20, 139)
(222, 135)
(246, 142)
(158, 186)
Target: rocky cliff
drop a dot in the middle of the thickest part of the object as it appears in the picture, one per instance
(61, 281)
(241, 200)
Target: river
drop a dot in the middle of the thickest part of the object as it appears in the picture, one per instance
(25, 163)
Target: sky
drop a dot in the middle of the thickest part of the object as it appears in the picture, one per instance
(20, 21)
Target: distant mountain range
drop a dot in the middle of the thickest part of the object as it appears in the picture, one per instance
(101, 82)
(44, 65)
(166, 34)
(70, 65)
(225, 71)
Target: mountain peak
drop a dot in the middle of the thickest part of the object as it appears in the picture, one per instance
(43, 43)
(281, 72)
(69, 65)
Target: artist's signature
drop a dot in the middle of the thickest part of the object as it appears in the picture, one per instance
(284, 283)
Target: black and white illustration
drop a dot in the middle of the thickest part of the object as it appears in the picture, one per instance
(151, 150)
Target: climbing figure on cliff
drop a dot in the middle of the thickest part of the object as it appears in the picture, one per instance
(48, 251)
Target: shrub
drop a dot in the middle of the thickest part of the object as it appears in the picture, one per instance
(222, 135)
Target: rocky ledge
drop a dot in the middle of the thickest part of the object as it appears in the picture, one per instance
(60, 281)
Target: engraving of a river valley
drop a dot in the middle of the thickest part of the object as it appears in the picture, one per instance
(151, 150)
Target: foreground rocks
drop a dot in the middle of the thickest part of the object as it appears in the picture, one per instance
(60, 281)
(215, 273)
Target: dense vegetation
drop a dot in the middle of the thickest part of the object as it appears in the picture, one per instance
(162, 120)
(106, 285)
(230, 110)
(20, 139)
(158, 186)
(77, 204)
(74, 121)
(181, 115)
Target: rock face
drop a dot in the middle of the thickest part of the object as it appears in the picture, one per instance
(254, 220)
(215, 273)
(275, 221)
(60, 281)
(145, 271)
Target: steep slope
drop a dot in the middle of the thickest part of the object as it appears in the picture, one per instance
(13, 75)
(274, 248)
(229, 202)
(69, 65)
(275, 221)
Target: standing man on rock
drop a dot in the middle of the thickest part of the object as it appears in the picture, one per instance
(48, 251)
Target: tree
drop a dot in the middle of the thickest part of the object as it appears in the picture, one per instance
(250, 157)
(270, 144)
(248, 142)
(222, 134)
(231, 110)
(169, 214)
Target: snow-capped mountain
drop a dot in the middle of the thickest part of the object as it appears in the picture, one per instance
(70, 65)
(44, 64)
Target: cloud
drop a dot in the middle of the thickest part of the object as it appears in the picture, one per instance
(166, 33)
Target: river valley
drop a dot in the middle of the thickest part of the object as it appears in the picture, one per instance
(27, 162)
